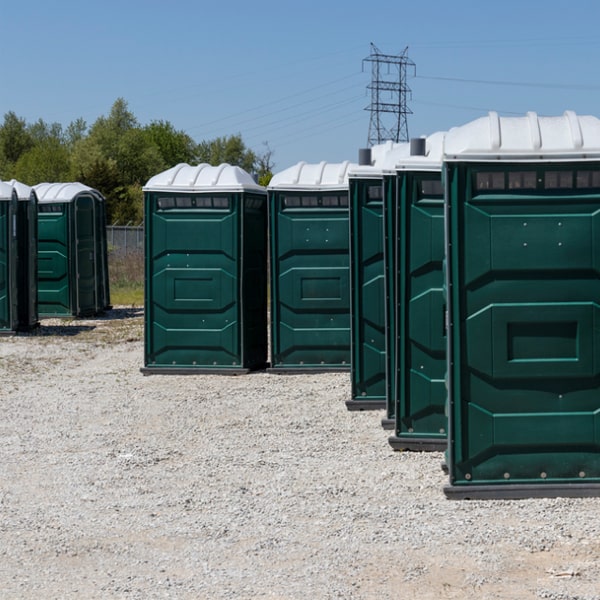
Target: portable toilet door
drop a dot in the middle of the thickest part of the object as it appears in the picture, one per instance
(67, 250)
(206, 271)
(419, 349)
(523, 280)
(310, 272)
(8, 259)
(367, 274)
(27, 249)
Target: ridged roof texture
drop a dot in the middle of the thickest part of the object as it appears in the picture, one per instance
(62, 192)
(6, 190)
(23, 190)
(568, 136)
(313, 176)
(203, 177)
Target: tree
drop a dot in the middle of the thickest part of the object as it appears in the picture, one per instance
(41, 132)
(75, 132)
(47, 161)
(265, 166)
(117, 158)
(106, 132)
(15, 139)
(231, 150)
(174, 146)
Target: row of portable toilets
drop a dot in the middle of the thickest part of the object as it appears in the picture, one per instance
(456, 277)
(53, 253)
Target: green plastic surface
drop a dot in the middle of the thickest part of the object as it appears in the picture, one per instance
(206, 294)
(310, 283)
(524, 296)
(367, 291)
(420, 351)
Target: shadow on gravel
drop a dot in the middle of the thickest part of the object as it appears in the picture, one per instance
(73, 326)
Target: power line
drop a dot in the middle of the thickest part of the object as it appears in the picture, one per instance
(584, 87)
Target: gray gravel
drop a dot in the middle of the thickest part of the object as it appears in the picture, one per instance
(120, 485)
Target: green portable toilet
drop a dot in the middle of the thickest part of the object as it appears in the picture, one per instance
(27, 248)
(419, 349)
(523, 281)
(369, 324)
(71, 251)
(310, 273)
(8, 258)
(206, 271)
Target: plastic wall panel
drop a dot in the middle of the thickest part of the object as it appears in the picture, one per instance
(310, 287)
(54, 268)
(6, 319)
(193, 289)
(420, 314)
(368, 294)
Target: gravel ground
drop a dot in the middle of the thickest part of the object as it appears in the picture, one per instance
(120, 485)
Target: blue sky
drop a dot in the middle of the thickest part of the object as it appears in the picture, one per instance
(292, 74)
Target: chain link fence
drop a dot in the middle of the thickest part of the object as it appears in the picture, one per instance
(125, 239)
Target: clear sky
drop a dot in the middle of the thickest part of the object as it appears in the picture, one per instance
(292, 73)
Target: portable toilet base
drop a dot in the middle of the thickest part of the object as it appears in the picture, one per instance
(522, 491)
(358, 405)
(418, 444)
(201, 370)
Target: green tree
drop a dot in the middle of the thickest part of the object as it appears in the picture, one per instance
(137, 159)
(231, 150)
(175, 147)
(46, 161)
(117, 158)
(15, 139)
(75, 132)
(126, 204)
(107, 132)
(41, 132)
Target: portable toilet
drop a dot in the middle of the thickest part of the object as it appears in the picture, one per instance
(8, 258)
(27, 259)
(369, 322)
(310, 272)
(206, 271)
(417, 286)
(72, 262)
(523, 281)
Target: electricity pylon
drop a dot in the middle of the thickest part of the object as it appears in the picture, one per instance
(393, 81)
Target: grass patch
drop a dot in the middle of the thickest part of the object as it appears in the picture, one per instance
(126, 278)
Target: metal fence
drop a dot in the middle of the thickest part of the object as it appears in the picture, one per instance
(125, 238)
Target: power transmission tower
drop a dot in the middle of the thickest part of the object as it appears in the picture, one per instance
(393, 81)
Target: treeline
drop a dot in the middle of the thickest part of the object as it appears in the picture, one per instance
(116, 155)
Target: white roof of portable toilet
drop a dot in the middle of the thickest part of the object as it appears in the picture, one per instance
(431, 160)
(23, 190)
(566, 137)
(203, 178)
(6, 190)
(314, 177)
(384, 158)
(62, 192)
